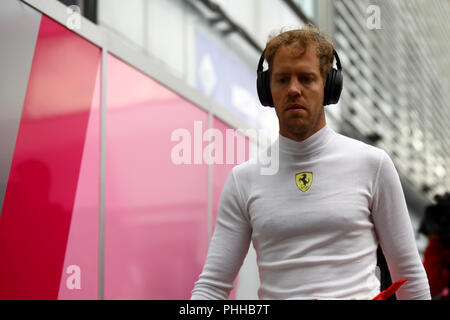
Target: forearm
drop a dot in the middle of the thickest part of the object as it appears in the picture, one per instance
(227, 249)
(226, 254)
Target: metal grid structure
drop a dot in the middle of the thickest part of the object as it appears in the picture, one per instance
(397, 83)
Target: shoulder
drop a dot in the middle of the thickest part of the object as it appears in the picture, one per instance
(356, 145)
(243, 172)
(250, 174)
(358, 150)
(372, 160)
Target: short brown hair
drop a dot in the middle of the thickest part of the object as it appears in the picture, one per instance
(298, 40)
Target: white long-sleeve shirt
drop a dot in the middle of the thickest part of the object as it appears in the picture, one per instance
(320, 243)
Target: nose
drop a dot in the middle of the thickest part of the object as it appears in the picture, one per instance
(295, 88)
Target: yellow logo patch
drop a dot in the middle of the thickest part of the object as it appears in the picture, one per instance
(304, 180)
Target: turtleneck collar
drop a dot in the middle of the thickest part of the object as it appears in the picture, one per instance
(310, 145)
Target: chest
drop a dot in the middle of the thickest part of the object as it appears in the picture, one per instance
(305, 201)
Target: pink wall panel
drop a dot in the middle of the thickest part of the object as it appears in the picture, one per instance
(40, 194)
(221, 171)
(156, 211)
(79, 279)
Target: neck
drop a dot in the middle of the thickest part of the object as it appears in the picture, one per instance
(313, 143)
(301, 136)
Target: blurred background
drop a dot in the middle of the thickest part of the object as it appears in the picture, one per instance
(92, 91)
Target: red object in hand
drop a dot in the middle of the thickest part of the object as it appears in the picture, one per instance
(436, 262)
(383, 295)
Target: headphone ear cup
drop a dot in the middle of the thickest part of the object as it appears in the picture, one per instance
(333, 87)
(338, 85)
(260, 87)
(263, 88)
(267, 89)
(326, 91)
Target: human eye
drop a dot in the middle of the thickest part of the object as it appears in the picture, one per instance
(306, 79)
(281, 80)
(280, 77)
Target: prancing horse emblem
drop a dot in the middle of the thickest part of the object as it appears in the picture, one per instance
(304, 180)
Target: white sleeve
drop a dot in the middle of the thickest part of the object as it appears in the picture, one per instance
(228, 247)
(396, 235)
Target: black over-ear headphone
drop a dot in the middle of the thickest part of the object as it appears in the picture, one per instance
(332, 90)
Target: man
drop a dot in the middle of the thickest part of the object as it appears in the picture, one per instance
(316, 223)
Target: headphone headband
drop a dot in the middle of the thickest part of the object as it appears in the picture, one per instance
(261, 61)
(338, 61)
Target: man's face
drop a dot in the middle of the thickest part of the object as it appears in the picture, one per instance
(297, 90)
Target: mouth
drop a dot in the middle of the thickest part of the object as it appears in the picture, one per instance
(294, 107)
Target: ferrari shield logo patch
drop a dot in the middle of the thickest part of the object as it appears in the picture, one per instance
(304, 180)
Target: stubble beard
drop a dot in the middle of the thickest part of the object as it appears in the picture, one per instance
(300, 128)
